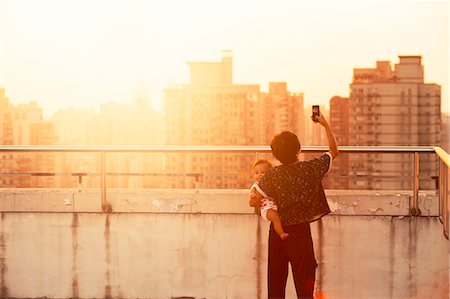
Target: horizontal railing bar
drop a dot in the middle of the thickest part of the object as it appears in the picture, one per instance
(213, 149)
(98, 174)
(49, 174)
(375, 177)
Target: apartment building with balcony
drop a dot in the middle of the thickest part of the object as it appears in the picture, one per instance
(393, 107)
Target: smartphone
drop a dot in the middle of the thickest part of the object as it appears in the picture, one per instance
(315, 112)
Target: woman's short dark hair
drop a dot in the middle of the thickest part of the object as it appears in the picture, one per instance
(285, 147)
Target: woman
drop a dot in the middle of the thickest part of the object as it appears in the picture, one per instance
(296, 187)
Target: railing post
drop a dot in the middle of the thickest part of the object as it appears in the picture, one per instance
(415, 211)
(445, 200)
(105, 206)
(441, 191)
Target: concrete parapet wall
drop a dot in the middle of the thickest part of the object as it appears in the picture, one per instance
(342, 202)
(177, 249)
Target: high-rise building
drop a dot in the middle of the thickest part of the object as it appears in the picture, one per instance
(282, 111)
(212, 110)
(24, 125)
(393, 108)
(5, 119)
(138, 125)
(43, 133)
(339, 122)
(6, 137)
(118, 124)
(339, 119)
(74, 126)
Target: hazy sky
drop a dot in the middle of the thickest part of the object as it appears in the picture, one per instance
(79, 53)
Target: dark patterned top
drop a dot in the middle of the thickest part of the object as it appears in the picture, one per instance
(297, 189)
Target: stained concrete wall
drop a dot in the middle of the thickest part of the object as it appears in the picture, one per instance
(182, 248)
(342, 202)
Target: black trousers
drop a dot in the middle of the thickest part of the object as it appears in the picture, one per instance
(297, 250)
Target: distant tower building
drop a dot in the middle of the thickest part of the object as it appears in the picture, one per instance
(315, 134)
(212, 110)
(6, 138)
(339, 122)
(5, 119)
(72, 127)
(319, 136)
(282, 111)
(24, 125)
(339, 119)
(118, 124)
(393, 108)
(43, 133)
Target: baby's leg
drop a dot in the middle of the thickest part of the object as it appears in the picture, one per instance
(272, 215)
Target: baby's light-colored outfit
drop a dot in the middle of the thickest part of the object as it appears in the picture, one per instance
(266, 203)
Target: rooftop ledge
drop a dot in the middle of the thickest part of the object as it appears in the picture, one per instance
(209, 201)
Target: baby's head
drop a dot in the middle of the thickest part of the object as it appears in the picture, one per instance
(259, 168)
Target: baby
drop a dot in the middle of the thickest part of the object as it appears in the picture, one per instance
(268, 208)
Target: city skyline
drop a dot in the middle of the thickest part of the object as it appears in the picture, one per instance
(388, 105)
(313, 47)
(140, 93)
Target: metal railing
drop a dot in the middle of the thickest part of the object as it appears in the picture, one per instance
(444, 198)
(444, 163)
